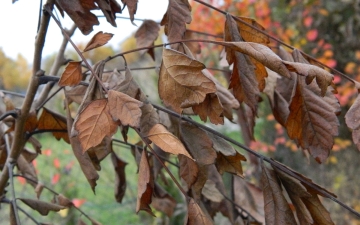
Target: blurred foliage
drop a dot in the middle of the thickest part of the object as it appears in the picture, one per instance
(14, 74)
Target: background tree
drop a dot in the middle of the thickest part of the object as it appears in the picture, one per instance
(168, 143)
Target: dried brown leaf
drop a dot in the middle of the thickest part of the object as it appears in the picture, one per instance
(124, 108)
(72, 74)
(262, 54)
(63, 201)
(99, 39)
(95, 123)
(162, 201)
(318, 212)
(145, 185)
(198, 143)
(27, 169)
(42, 207)
(183, 75)
(149, 118)
(221, 145)
(323, 78)
(211, 192)
(352, 116)
(132, 6)
(188, 170)
(312, 121)
(277, 210)
(177, 15)
(38, 189)
(109, 9)
(230, 164)
(31, 122)
(52, 121)
(84, 160)
(146, 35)
(196, 216)
(211, 107)
(120, 178)
(76, 94)
(194, 47)
(166, 140)
(80, 14)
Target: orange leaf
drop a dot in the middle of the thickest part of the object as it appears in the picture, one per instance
(166, 140)
(124, 108)
(72, 74)
(95, 123)
(99, 39)
(53, 121)
(181, 82)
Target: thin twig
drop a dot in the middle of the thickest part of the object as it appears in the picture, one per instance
(13, 113)
(7, 201)
(123, 17)
(264, 158)
(10, 166)
(13, 93)
(28, 135)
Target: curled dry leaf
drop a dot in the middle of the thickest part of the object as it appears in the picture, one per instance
(42, 207)
(124, 108)
(178, 13)
(52, 121)
(94, 123)
(323, 78)
(211, 192)
(38, 189)
(196, 216)
(109, 8)
(181, 73)
(72, 74)
(277, 210)
(120, 178)
(99, 39)
(145, 185)
(166, 140)
(198, 143)
(262, 54)
(352, 116)
(163, 201)
(249, 34)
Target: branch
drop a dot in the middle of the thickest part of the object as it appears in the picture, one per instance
(19, 139)
(264, 158)
(13, 113)
(7, 201)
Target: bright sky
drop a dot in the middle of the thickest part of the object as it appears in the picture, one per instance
(18, 24)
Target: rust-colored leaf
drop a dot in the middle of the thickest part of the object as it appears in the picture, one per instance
(146, 35)
(99, 39)
(196, 216)
(132, 6)
(124, 108)
(181, 82)
(120, 178)
(177, 15)
(95, 123)
(277, 210)
(249, 34)
(312, 121)
(145, 185)
(211, 107)
(188, 170)
(84, 160)
(42, 207)
(31, 122)
(198, 143)
(53, 121)
(243, 79)
(80, 14)
(230, 164)
(166, 140)
(72, 74)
